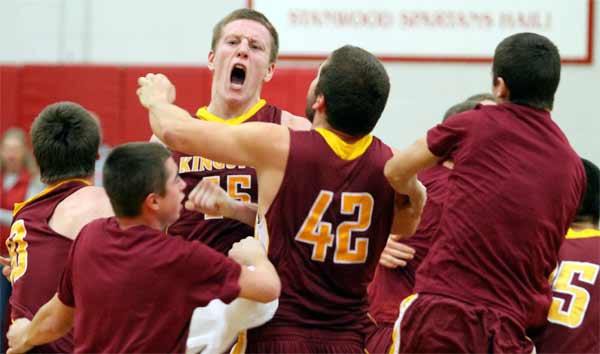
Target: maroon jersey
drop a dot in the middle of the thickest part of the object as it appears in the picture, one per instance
(514, 190)
(134, 290)
(328, 224)
(574, 316)
(239, 182)
(38, 256)
(390, 286)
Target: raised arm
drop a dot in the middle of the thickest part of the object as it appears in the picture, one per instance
(401, 171)
(252, 144)
(402, 168)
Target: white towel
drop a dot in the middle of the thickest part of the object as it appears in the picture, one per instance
(214, 327)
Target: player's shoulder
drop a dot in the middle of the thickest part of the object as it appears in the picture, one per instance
(82, 206)
(294, 122)
(383, 148)
(87, 198)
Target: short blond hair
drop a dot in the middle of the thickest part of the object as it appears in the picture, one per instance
(252, 15)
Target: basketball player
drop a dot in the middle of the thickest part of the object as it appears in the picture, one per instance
(242, 58)
(127, 287)
(322, 199)
(508, 207)
(65, 140)
(390, 286)
(574, 316)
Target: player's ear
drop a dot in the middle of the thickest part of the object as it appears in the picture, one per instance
(270, 71)
(151, 202)
(500, 89)
(211, 60)
(319, 104)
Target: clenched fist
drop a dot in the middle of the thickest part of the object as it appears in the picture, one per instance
(155, 88)
(210, 199)
(248, 251)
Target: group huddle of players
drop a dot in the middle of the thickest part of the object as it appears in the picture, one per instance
(481, 204)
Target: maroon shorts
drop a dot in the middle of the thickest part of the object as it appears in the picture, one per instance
(271, 339)
(379, 338)
(435, 324)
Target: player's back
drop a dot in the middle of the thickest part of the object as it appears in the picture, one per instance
(514, 190)
(38, 255)
(327, 226)
(135, 289)
(574, 316)
(238, 181)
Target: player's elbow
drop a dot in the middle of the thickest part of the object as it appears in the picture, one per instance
(169, 137)
(175, 138)
(391, 170)
(405, 229)
(262, 284)
(269, 291)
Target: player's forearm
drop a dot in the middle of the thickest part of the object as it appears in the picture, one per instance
(47, 325)
(215, 141)
(243, 212)
(405, 164)
(167, 122)
(260, 282)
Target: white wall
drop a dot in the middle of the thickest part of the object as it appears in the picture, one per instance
(179, 32)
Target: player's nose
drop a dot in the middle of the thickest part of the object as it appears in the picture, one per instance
(243, 49)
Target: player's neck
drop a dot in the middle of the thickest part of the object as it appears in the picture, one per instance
(89, 179)
(320, 121)
(129, 222)
(583, 225)
(230, 109)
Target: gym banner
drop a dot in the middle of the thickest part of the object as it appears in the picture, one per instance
(427, 30)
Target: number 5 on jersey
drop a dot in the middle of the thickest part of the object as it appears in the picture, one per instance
(234, 183)
(572, 315)
(316, 232)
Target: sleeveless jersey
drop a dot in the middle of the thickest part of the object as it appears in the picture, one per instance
(327, 226)
(38, 256)
(574, 316)
(239, 181)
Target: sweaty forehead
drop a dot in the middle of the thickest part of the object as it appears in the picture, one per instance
(247, 28)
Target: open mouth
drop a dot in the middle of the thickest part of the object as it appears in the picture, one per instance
(238, 75)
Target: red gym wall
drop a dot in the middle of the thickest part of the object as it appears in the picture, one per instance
(110, 92)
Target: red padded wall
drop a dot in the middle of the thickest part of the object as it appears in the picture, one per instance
(193, 91)
(9, 97)
(96, 88)
(109, 91)
(288, 88)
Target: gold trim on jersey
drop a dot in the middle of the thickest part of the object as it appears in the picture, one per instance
(19, 206)
(342, 149)
(204, 114)
(585, 233)
(240, 345)
(396, 336)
